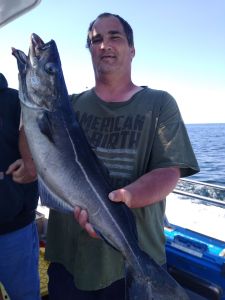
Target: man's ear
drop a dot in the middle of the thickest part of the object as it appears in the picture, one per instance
(132, 51)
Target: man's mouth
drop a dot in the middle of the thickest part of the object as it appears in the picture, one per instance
(107, 57)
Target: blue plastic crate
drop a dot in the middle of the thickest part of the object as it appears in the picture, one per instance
(197, 261)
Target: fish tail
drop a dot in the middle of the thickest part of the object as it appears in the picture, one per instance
(137, 287)
(146, 280)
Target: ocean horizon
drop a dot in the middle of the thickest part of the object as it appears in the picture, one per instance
(208, 142)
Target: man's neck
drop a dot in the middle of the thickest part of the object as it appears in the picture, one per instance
(114, 91)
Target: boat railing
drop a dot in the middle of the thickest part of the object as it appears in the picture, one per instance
(198, 190)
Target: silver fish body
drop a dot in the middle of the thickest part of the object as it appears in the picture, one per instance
(70, 174)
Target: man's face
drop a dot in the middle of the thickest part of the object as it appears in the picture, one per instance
(109, 46)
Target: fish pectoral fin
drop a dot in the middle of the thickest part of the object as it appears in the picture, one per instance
(51, 200)
(45, 125)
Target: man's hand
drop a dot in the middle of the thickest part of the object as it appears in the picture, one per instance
(20, 174)
(81, 217)
(121, 195)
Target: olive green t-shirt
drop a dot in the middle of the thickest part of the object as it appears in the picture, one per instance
(131, 138)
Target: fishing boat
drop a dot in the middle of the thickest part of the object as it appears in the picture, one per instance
(195, 238)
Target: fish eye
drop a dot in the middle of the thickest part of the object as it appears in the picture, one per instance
(45, 46)
(51, 68)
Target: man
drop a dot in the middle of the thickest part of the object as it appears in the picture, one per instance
(19, 250)
(139, 135)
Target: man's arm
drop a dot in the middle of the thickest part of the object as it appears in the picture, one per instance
(150, 188)
(23, 170)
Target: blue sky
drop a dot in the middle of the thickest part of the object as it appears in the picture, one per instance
(180, 47)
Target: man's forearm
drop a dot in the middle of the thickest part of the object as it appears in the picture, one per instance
(26, 155)
(150, 188)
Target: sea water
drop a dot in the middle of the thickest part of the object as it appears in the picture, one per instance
(208, 141)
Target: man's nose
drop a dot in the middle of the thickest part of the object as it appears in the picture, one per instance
(105, 44)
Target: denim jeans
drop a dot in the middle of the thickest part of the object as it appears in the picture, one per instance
(19, 254)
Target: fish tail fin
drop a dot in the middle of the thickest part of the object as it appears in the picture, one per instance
(137, 287)
(147, 280)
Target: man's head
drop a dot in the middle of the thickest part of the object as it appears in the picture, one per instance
(110, 41)
(126, 27)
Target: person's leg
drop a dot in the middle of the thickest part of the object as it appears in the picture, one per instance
(115, 291)
(61, 286)
(19, 254)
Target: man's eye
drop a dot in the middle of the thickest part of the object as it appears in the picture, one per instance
(96, 40)
(115, 37)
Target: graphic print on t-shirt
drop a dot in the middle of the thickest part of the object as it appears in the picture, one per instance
(115, 140)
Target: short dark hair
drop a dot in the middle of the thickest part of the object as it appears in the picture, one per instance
(126, 27)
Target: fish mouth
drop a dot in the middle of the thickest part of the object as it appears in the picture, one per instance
(37, 48)
(37, 45)
(20, 56)
(36, 41)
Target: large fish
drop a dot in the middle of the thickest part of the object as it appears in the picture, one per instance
(69, 173)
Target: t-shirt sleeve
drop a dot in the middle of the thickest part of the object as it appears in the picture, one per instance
(172, 146)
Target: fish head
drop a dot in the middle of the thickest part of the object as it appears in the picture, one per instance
(41, 80)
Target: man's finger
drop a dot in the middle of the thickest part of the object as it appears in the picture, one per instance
(77, 210)
(83, 218)
(121, 195)
(14, 166)
(91, 230)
